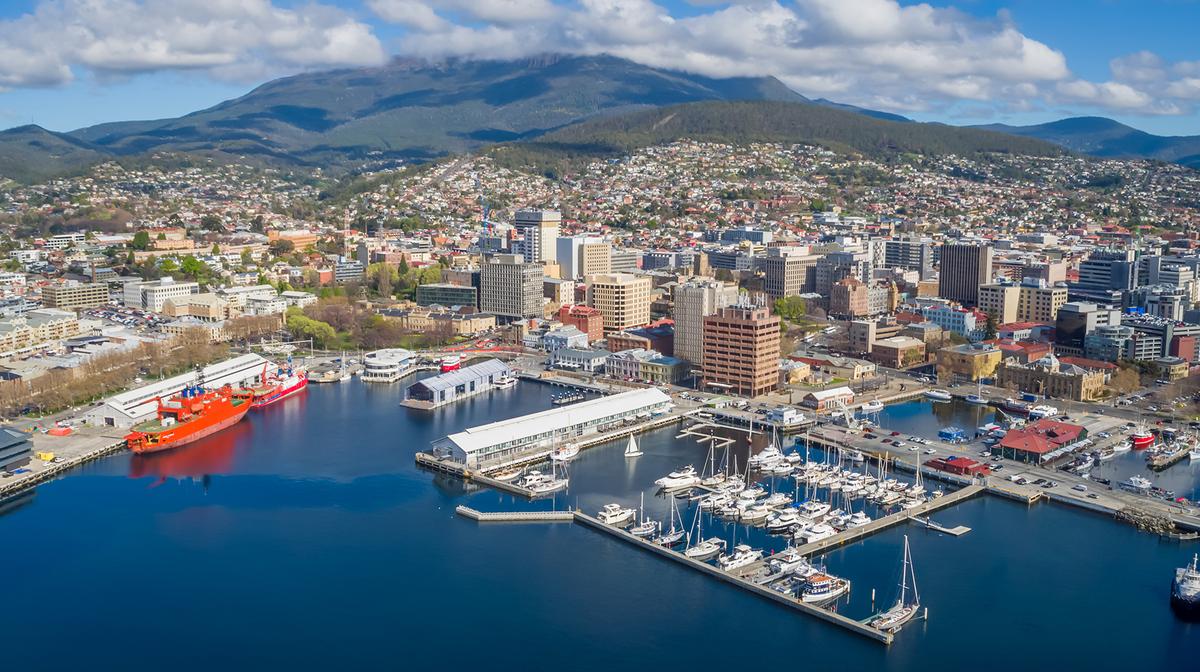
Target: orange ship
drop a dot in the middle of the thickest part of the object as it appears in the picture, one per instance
(189, 416)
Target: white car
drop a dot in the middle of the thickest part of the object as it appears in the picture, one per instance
(930, 451)
(913, 448)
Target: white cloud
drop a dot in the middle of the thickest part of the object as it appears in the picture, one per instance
(223, 37)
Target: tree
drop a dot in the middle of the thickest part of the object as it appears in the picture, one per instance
(989, 329)
(256, 224)
(168, 265)
(281, 247)
(193, 267)
(212, 223)
(216, 249)
(1125, 380)
(247, 258)
(790, 308)
(141, 241)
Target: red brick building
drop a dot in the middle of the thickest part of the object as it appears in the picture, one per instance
(584, 318)
(963, 466)
(1038, 440)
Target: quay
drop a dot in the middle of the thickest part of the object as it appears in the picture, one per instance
(856, 533)
(737, 581)
(956, 531)
(22, 482)
(515, 516)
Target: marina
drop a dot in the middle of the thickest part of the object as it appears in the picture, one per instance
(276, 455)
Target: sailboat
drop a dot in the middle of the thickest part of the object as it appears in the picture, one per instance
(903, 611)
(703, 549)
(647, 527)
(675, 535)
(632, 449)
(345, 374)
(977, 399)
(565, 453)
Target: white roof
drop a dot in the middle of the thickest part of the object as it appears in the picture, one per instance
(832, 393)
(484, 436)
(213, 372)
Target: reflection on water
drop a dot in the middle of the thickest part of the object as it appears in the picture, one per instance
(210, 455)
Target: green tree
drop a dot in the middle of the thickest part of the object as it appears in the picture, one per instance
(141, 241)
(322, 333)
(216, 249)
(212, 223)
(168, 265)
(989, 329)
(192, 267)
(281, 247)
(791, 308)
(247, 258)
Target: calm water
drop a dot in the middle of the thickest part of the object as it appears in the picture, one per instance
(306, 539)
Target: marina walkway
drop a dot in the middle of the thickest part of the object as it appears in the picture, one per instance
(880, 524)
(735, 580)
(515, 516)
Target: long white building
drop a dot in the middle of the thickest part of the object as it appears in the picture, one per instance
(129, 408)
(493, 444)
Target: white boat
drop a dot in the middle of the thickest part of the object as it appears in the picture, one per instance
(706, 550)
(818, 532)
(678, 480)
(1136, 483)
(565, 453)
(632, 449)
(976, 400)
(646, 528)
(506, 474)
(615, 514)
(505, 382)
(676, 534)
(777, 500)
(548, 486)
(782, 521)
(873, 406)
(903, 611)
(1122, 447)
(789, 561)
(821, 588)
(756, 513)
(938, 395)
(1042, 411)
(782, 468)
(752, 493)
(742, 555)
(769, 456)
(813, 511)
(858, 519)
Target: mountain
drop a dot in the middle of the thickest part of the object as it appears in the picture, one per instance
(1103, 137)
(758, 121)
(412, 109)
(887, 116)
(30, 153)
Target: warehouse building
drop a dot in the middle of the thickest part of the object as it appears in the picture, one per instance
(457, 385)
(525, 437)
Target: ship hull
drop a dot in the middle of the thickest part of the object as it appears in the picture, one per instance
(194, 434)
(280, 394)
(1184, 608)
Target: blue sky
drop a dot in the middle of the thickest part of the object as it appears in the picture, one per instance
(71, 63)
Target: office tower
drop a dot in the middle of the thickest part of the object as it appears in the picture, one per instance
(789, 271)
(741, 350)
(511, 288)
(622, 298)
(964, 268)
(539, 233)
(695, 300)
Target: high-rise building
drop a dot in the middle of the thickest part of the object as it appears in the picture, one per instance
(539, 233)
(915, 254)
(964, 268)
(580, 256)
(741, 350)
(622, 298)
(1075, 321)
(695, 300)
(848, 298)
(838, 265)
(1105, 276)
(625, 260)
(789, 271)
(511, 288)
(1000, 302)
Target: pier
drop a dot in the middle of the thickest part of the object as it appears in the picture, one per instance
(856, 533)
(777, 597)
(515, 516)
(22, 482)
(957, 531)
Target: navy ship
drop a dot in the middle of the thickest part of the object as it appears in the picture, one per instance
(1185, 592)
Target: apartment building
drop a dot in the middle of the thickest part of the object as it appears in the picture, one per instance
(622, 298)
(741, 350)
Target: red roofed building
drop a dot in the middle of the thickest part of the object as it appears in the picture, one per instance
(584, 318)
(1089, 364)
(963, 466)
(1037, 440)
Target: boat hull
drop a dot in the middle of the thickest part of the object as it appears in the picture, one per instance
(194, 434)
(1184, 608)
(281, 393)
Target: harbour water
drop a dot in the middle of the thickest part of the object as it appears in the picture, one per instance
(306, 538)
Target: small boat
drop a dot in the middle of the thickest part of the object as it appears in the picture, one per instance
(821, 588)
(938, 395)
(858, 519)
(756, 513)
(646, 528)
(1185, 591)
(615, 514)
(449, 363)
(818, 532)
(976, 400)
(676, 534)
(706, 550)
(632, 449)
(679, 480)
(505, 382)
(565, 398)
(1122, 447)
(1043, 411)
(742, 555)
(783, 521)
(507, 474)
(903, 611)
(1142, 439)
(873, 406)
(565, 453)
(1137, 484)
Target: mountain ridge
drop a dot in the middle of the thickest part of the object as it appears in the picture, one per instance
(1108, 138)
